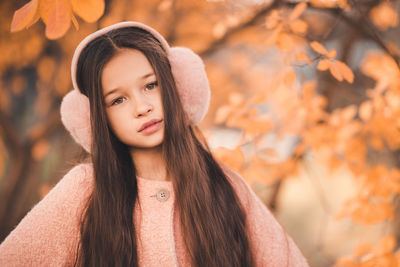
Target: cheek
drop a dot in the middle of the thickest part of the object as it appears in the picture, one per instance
(159, 102)
(115, 121)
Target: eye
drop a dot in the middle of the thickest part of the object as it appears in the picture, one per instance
(151, 85)
(115, 101)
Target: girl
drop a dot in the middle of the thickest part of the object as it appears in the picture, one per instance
(152, 195)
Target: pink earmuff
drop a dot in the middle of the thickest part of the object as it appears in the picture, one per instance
(187, 69)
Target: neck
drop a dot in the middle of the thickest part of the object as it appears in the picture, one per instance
(149, 163)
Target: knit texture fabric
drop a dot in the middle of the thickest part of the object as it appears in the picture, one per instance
(49, 233)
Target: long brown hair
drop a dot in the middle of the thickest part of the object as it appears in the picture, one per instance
(212, 218)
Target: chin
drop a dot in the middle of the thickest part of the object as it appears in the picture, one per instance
(146, 145)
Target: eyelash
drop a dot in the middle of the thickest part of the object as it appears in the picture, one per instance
(153, 83)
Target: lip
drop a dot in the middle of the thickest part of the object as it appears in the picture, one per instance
(149, 123)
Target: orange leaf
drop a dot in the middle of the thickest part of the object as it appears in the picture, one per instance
(301, 56)
(284, 41)
(346, 72)
(25, 16)
(384, 15)
(362, 249)
(319, 48)
(385, 245)
(365, 110)
(324, 64)
(348, 113)
(344, 261)
(46, 8)
(232, 158)
(219, 30)
(236, 99)
(222, 114)
(372, 213)
(272, 20)
(331, 54)
(298, 26)
(335, 71)
(298, 10)
(88, 10)
(59, 19)
(289, 78)
(40, 149)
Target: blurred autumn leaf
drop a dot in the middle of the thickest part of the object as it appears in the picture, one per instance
(56, 14)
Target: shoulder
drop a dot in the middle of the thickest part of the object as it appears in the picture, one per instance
(269, 240)
(77, 182)
(69, 195)
(49, 232)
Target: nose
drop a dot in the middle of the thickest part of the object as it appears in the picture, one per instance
(142, 108)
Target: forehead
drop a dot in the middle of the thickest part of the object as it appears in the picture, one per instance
(124, 68)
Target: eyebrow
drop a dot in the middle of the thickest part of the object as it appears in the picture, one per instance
(142, 78)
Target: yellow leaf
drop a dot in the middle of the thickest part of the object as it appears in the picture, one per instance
(25, 16)
(319, 48)
(298, 26)
(298, 10)
(324, 64)
(346, 72)
(88, 10)
(301, 56)
(335, 71)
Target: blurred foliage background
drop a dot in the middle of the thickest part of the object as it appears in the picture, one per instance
(305, 105)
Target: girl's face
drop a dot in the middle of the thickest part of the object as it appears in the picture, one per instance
(132, 97)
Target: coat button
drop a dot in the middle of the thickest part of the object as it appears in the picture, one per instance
(162, 195)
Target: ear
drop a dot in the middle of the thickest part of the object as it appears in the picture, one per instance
(75, 115)
(191, 81)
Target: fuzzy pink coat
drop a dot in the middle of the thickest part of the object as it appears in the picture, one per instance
(49, 233)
